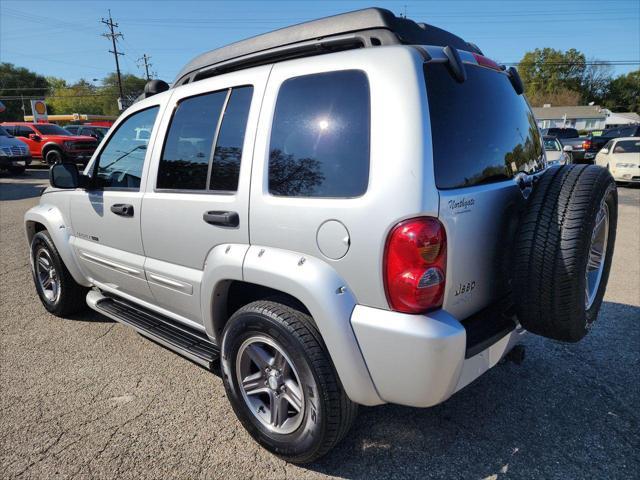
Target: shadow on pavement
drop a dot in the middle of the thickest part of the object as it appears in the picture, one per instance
(21, 186)
(569, 408)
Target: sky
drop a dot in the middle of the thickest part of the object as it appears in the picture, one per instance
(63, 38)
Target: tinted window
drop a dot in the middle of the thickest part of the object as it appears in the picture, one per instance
(482, 131)
(121, 160)
(568, 133)
(320, 136)
(627, 146)
(52, 130)
(4, 133)
(72, 129)
(228, 152)
(22, 131)
(185, 159)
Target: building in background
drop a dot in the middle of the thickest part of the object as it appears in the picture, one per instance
(584, 117)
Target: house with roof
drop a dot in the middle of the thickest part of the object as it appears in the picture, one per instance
(582, 117)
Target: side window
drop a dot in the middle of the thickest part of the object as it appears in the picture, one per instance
(121, 160)
(22, 131)
(320, 136)
(204, 144)
(184, 164)
(228, 152)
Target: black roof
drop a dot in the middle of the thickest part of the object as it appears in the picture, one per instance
(361, 28)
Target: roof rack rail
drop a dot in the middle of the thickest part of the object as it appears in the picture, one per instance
(366, 28)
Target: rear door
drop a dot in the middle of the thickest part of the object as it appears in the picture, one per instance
(204, 166)
(483, 135)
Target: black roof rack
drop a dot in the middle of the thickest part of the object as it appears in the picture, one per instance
(362, 28)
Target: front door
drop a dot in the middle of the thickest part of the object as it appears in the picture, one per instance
(106, 217)
(203, 167)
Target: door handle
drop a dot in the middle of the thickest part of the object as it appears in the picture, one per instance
(224, 219)
(123, 209)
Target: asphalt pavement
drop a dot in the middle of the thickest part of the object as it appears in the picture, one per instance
(89, 398)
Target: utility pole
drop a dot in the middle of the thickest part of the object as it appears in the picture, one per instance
(113, 35)
(145, 60)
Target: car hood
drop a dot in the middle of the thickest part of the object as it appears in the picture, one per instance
(626, 157)
(11, 142)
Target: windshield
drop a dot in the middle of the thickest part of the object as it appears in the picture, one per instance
(4, 133)
(551, 145)
(482, 130)
(627, 146)
(49, 129)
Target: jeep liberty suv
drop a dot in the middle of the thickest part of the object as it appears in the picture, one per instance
(350, 211)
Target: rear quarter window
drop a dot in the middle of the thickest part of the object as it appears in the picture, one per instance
(320, 136)
(482, 131)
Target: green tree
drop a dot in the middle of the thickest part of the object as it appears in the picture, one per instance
(17, 86)
(624, 93)
(81, 97)
(132, 87)
(547, 71)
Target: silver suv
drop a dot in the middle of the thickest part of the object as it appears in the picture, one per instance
(354, 210)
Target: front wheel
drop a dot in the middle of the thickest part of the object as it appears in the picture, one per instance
(281, 382)
(53, 156)
(58, 291)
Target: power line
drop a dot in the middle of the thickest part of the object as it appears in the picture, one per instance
(145, 59)
(113, 35)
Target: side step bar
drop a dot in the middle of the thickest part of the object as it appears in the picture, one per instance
(182, 339)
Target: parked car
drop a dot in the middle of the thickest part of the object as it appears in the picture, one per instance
(14, 154)
(51, 143)
(331, 242)
(595, 142)
(622, 157)
(94, 131)
(557, 154)
(570, 137)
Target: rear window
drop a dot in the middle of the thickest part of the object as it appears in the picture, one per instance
(482, 131)
(566, 133)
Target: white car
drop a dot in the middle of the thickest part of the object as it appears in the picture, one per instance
(556, 153)
(622, 157)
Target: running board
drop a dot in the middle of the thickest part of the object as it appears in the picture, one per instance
(180, 338)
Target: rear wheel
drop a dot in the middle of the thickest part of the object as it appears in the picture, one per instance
(281, 383)
(58, 291)
(563, 251)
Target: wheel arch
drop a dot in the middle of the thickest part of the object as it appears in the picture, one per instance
(50, 218)
(238, 274)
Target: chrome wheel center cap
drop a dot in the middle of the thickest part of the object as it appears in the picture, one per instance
(274, 380)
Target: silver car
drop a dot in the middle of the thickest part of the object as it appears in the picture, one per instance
(351, 211)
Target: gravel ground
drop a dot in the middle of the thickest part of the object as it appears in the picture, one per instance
(89, 398)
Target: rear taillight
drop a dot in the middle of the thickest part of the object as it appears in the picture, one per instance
(486, 62)
(586, 145)
(415, 262)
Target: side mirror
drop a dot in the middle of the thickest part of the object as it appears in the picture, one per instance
(35, 137)
(604, 150)
(65, 175)
(567, 148)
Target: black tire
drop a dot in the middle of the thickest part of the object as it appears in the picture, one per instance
(72, 296)
(53, 156)
(328, 413)
(552, 251)
(17, 170)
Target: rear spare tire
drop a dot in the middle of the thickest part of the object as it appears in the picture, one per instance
(563, 251)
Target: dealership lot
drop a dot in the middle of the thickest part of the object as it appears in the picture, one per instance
(91, 398)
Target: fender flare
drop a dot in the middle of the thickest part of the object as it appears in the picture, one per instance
(53, 220)
(48, 146)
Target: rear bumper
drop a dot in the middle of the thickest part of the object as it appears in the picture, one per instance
(419, 360)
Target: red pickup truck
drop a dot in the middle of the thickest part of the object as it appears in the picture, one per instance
(51, 143)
